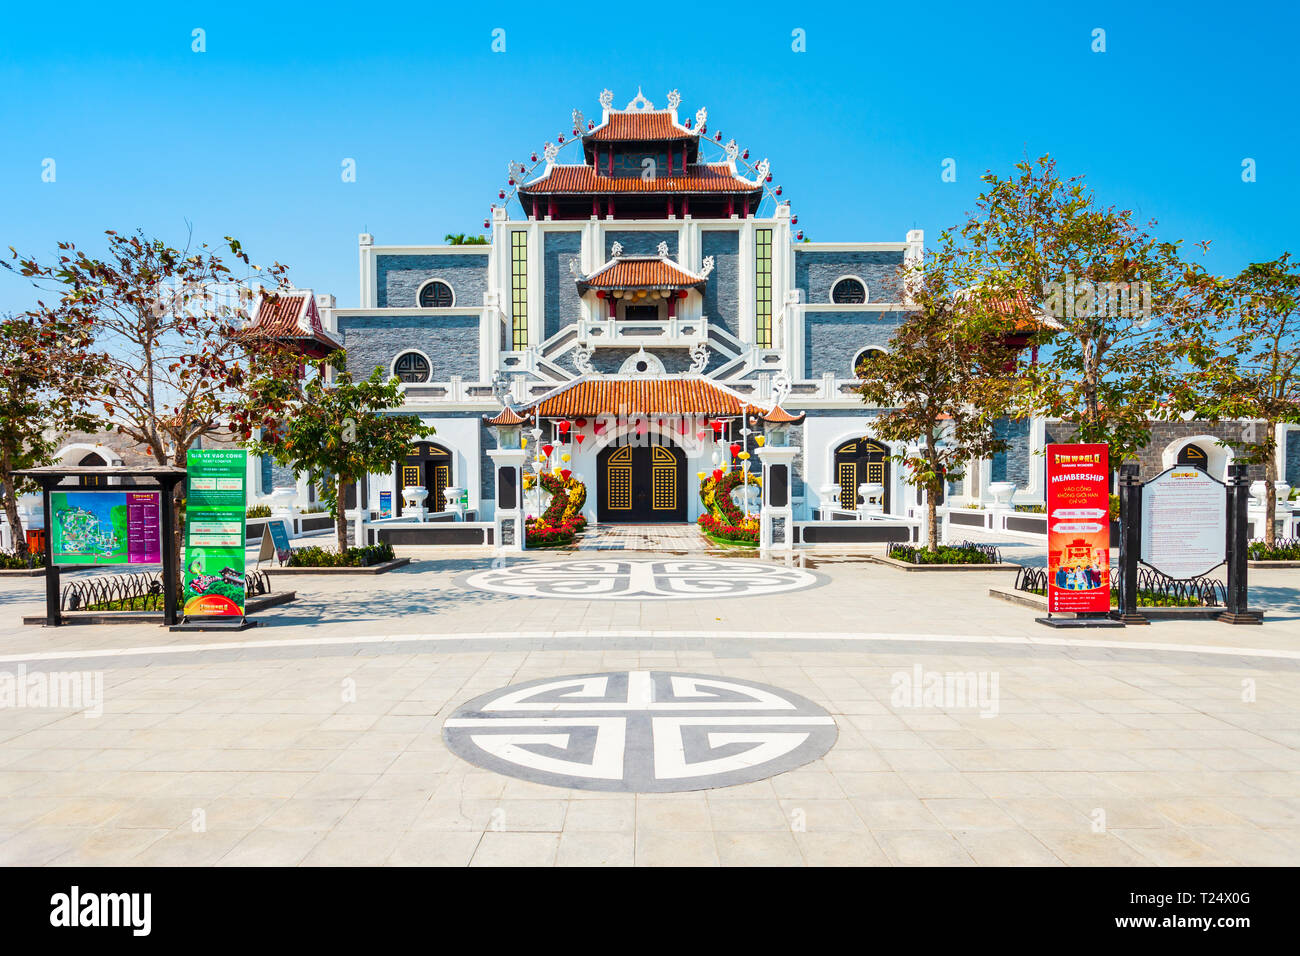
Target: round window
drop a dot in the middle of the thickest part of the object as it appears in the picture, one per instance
(849, 292)
(435, 295)
(411, 367)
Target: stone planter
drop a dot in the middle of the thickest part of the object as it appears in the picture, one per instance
(1002, 492)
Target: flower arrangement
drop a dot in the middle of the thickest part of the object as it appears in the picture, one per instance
(744, 533)
(723, 519)
(563, 517)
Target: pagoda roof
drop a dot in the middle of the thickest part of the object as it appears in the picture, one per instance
(635, 126)
(683, 395)
(507, 417)
(641, 272)
(581, 179)
(779, 416)
(290, 316)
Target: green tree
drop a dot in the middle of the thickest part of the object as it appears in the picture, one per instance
(166, 322)
(946, 379)
(1252, 365)
(339, 430)
(462, 239)
(48, 373)
(1120, 297)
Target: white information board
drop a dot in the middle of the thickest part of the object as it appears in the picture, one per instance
(1184, 522)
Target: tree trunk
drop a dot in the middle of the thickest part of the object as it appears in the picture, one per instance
(340, 514)
(931, 515)
(11, 514)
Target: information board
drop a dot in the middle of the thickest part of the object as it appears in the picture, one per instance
(1184, 522)
(106, 527)
(1078, 528)
(385, 504)
(215, 515)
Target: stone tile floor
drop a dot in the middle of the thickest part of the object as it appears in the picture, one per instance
(662, 538)
(316, 740)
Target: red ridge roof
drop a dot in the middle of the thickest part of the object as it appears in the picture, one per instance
(649, 396)
(507, 416)
(700, 178)
(639, 125)
(641, 273)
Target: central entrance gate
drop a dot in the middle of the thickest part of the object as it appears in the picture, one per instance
(859, 461)
(641, 484)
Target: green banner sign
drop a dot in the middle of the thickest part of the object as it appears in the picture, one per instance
(215, 512)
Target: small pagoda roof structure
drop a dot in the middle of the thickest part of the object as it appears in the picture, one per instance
(290, 317)
(779, 416)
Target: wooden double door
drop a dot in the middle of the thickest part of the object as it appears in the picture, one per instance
(641, 484)
(858, 462)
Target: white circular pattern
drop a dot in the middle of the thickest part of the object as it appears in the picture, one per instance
(640, 731)
(677, 579)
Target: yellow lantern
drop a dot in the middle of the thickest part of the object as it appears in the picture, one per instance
(700, 475)
(555, 472)
(523, 443)
(760, 441)
(564, 457)
(743, 456)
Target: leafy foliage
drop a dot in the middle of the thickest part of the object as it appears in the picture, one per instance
(363, 557)
(965, 553)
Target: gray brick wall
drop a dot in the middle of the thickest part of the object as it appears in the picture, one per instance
(1012, 464)
(722, 291)
(608, 361)
(815, 273)
(641, 243)
(1293, 458)
(487, 484)
(832, 340)
(398, 278)
(451, 342)
(561, 291)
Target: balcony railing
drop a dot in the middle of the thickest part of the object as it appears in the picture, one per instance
(633, 333)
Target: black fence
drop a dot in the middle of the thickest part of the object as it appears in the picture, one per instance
(141, 591)
(1154, 589)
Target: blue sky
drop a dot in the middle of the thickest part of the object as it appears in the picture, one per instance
(247, 138)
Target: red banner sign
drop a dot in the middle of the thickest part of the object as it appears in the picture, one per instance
(1078, 528)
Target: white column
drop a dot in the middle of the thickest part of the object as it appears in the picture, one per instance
(509, 517)
(776, 523)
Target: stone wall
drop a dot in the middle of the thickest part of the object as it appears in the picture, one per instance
(1014, 463)
(563, 304)
(722, 290)
(815, 273)
(832, 340)
(451, 342)
(1293, 458)
(398, 278)
(636, 243)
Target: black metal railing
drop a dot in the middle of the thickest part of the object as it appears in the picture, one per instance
(140, 591)
(1282, 549)
(1153, 589)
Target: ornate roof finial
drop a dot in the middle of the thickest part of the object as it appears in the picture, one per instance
(707, 267)
(674, 99)
(616, 249)
(550, 151)
(606, 98)
(578, 119)
(663, 250)
(639, 102)
(701, 116)
(732, 150)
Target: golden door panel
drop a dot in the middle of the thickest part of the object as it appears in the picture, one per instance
(663, 484)
(618, 487)
(848, 479)
(411, 476)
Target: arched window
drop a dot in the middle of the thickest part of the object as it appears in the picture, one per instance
(1193, 455)
(849, 291)
(412, 368)
(436, 295)
(92, 460)
(867, 353)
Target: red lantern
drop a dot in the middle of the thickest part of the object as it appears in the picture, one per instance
(717, 474)
(700, 434)
(718, 426)
(580, 438)
(501, 194)
(735, 449)
(581, 423)
(547, 449)
(563, 426)
(599, 428)
(565, 473)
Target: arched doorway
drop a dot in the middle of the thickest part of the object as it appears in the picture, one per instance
(641, 484)
(1195, 456)
(859, 461)
(427, 465)
(92, 461)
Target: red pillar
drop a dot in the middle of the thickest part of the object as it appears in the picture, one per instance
(613, 306)
(672, 305)
(686, 206)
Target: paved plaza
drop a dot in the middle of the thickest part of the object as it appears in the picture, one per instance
(963, 732)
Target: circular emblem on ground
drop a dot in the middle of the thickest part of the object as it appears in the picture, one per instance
(665, 580)
(640, 731)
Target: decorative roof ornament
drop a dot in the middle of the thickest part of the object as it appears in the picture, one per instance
(582, 361)
(514, 169)
(616, 250)
(606, 99)
(701, 116)
(578, 119)
(781, 386)
(674, 99)
(662, 249)
(732, 150)
(550, 151)
(707, 267)
(573, 268)
(699, 359)
(763, 168)
(501, 387)
(639, 103)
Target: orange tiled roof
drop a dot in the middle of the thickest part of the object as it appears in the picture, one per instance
(701, 178)
(779, 416)
(289, 315)
(640, 125)
(507, 416)
(649, 396)
(647, 272)
(1028, 317)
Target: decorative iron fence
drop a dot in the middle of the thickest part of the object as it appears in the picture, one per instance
(1282, 549)
(140, 591)
(1154, 589)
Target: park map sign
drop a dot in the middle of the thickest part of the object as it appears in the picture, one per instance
(1078, 529)
(215, 514)
(106, 527)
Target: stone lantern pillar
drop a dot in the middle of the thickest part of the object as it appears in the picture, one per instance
(508, 461)
(776, 523)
